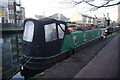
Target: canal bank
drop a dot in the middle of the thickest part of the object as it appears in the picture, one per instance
(12, 29)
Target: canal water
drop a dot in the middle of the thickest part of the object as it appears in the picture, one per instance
(11, 48)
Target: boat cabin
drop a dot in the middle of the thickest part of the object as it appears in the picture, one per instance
(44, 37)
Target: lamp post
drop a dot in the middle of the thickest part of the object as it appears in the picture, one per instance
(108, 20)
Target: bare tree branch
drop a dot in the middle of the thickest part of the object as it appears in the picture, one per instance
(94, 7)
(76, 3)
(104, 5)
(111, 4)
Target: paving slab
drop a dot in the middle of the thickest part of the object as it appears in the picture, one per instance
(104, 64)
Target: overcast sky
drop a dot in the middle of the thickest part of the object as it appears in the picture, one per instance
(49, 7)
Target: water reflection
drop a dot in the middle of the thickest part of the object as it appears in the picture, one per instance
(11, 47)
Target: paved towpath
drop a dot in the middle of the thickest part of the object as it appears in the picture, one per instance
(105, 63)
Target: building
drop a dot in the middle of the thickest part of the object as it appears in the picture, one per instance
(3, 11)
(39, 16)
(83, 19)
(20, 16)
(15, 14)
(59, 16)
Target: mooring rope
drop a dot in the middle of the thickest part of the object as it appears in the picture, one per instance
(21, 67)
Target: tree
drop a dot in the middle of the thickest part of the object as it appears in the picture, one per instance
(103, 3)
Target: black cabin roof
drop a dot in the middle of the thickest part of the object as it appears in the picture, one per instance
(46, 20)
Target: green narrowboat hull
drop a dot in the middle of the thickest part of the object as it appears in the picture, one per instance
(78, 38)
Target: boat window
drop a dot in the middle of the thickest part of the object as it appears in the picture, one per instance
(61, 29)
(50, 32)
(29, 31)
